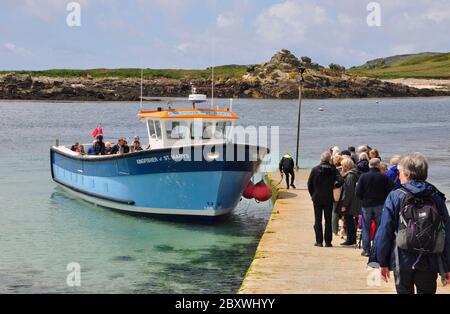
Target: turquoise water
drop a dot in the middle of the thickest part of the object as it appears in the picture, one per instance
(42, 229)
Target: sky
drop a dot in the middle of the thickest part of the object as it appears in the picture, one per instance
(35, 35)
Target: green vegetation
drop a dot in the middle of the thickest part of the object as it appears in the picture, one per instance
(422, 65)
(226, 71)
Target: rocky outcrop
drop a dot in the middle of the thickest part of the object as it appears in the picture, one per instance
(275, 79)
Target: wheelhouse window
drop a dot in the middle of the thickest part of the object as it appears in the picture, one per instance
(222, 128)
(201, 130)
(176, 130)
(154, 128)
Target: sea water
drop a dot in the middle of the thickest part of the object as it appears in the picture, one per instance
(43, 230)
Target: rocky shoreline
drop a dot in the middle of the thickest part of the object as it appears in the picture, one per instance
(276, 79)
(25, 87)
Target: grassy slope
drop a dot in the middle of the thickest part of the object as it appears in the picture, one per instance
(227, 71)
(424, 65)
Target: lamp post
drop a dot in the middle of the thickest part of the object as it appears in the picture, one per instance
(300, 88)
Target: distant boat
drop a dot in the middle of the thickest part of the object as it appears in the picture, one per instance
(158, 181)
(321, 109)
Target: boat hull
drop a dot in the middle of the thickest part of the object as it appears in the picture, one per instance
(156, 183)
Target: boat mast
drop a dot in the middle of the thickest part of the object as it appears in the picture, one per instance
(142, 78)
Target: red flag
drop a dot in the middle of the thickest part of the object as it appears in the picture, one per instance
(95, 133)
(98, 131)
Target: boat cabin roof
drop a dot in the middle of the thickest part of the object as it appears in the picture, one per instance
(189, 113)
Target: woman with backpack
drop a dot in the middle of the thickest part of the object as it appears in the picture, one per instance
(416, 254)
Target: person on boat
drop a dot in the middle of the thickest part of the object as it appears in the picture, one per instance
(393, 172)
(121, 147)
(372, 189)
(350, 206)
(108, 148)
(75, 146)
(363, 163)
(287, 168)
(412, 269)
(137, 146)
(80, 149)
(91, 150)
(99, 146)
(321, 182)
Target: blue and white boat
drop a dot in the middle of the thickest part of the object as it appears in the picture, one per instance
(190, 167)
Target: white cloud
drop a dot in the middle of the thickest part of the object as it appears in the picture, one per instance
(289, 20)
(344, 19)
(438, 15)
(225, 20)
(183, 47)
(19, 51)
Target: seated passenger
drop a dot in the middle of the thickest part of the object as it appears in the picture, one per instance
(91, 149)
(75, 147)
(137, 146)
(80, 149)
(99, 146)
(108, 148)
(120, 148)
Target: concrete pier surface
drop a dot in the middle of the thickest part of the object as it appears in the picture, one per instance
(287, 261)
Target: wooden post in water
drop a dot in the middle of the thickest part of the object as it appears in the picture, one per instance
(300, 88)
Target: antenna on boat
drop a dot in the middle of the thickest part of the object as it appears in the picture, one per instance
(142, 78)
(212, 73)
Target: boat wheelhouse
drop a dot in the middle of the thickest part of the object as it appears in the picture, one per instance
(190, 167)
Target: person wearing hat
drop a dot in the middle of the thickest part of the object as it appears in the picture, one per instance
(99, 146)
(287, 168)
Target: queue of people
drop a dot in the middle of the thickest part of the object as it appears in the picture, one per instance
(412, 224)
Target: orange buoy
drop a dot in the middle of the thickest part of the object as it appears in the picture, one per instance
(262, 192)
(248, 192)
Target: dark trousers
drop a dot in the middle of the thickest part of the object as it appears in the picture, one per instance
(351, 228)
(326, 211)
(287, 174)
(425, 282)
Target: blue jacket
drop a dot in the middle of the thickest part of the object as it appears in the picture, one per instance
(383, 252)
(393, 174)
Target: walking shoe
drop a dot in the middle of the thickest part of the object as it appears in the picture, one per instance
(328, 245)
(365, 254)
(293, 186)
(346, 243)
(318, 244)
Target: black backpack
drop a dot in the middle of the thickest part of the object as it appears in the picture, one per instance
(421, 228)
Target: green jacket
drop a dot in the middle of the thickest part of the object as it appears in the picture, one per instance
(349, 199)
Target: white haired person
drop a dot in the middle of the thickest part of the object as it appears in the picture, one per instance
(416, 255)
